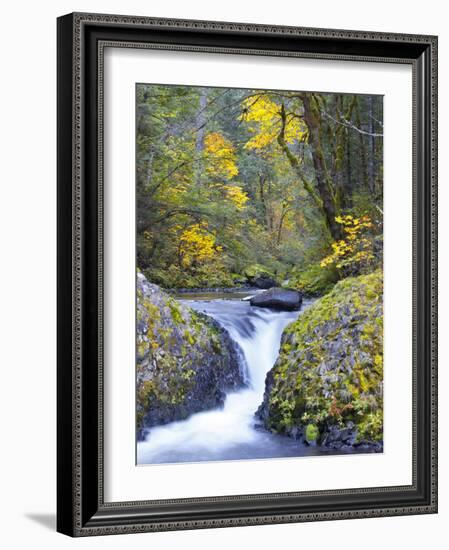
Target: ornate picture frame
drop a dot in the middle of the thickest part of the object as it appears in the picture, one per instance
(81, 507)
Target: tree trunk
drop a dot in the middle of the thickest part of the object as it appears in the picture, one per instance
(262, 198)
(367, 182)
(371, 146)
(325, 185)
(200, 124)
(284, 213)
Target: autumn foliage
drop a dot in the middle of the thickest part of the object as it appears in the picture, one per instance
(232, 178)
(354, 252)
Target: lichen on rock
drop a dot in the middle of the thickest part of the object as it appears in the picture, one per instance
(327, 383)
(186, 362)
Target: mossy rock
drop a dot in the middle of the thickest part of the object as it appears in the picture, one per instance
(186, 362)
(314, 281)
(329, 372)
(257, 270)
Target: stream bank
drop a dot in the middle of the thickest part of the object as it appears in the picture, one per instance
(314, 376)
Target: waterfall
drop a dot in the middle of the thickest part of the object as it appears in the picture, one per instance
(229, 432)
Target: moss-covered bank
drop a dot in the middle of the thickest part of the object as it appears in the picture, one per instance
(185, 361)
(326, 386)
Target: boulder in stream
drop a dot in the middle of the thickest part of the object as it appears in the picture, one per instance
(278, 298)
(326, 386)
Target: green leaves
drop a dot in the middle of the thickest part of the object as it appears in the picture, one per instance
(242, 166)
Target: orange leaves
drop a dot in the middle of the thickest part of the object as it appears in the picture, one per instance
(336, 410)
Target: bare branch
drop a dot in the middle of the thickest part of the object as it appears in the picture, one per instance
(379, 122)
(351, 126)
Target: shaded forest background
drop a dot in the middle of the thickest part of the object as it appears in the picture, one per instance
(236, 183)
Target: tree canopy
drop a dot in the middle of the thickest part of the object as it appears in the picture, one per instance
(229, 180)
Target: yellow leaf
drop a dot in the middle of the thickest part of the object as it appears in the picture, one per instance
(264, 118)
(220, 156)
(196, 244)
(236, 195)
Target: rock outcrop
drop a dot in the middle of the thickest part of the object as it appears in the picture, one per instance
(186, 362)
(278, 298)
(259, 277)
(326, 386)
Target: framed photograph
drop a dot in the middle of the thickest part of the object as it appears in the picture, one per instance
(246, 274)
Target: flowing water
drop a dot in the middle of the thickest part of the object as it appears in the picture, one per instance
(230, 432)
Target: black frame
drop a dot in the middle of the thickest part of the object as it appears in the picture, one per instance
(81, 509)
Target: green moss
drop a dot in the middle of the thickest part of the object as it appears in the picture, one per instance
(188, 374)
(175, 311)
(312, 432)
(314, 280)
(189, 337)
(215, 342)
(370, 427)
(205, 276)
(196, 321)
(330, 365)
(173, 343)
(257, 270)
(153, 317)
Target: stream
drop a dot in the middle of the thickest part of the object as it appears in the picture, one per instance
(230, 432)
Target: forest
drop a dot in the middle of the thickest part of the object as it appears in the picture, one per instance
(237, 183)
(277, 196)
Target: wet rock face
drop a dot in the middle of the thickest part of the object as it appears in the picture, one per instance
(326, 386)
(278, 298)
(186, 362)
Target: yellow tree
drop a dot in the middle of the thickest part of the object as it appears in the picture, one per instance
(220, 156)
(355, 250)
(197, 245)
(282, 118)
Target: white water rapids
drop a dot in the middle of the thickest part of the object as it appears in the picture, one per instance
(229, 432)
